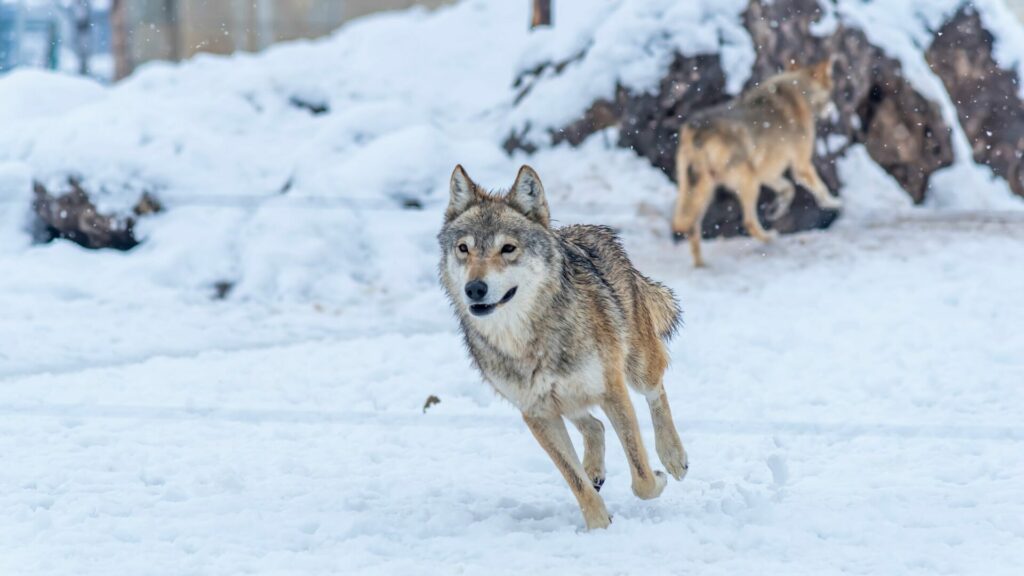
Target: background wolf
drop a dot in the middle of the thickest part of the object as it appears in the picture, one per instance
(749, 142)
(559, 321)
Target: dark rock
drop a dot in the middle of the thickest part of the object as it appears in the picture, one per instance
(313, 107)
(72, 215)
(902, 131)
(987, 97)
(222, 289)
(601, 114)
(147, 204)
(650, 123)
(876, 106)
(517, 141)
(527, 79)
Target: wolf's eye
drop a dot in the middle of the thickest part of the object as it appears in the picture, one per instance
(508, 249)
(463, 248)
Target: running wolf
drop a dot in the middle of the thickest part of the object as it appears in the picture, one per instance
(558, 321)
(750, 141)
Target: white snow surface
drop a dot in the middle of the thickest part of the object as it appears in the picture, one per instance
(850, 399)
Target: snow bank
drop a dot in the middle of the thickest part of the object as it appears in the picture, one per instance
(15, 204)
(629, 42)
(285, 203)
(904, 29)
(28, 94)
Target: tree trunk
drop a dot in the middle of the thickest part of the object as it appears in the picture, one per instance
(541, 14)
(120, 45)
(174, 29)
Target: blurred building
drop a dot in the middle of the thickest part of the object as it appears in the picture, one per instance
(178, 29)
(1017, 6)
(41, 34)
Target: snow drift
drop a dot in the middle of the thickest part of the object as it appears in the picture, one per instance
(306, 171)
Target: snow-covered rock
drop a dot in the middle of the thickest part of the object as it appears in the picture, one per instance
(362, 129)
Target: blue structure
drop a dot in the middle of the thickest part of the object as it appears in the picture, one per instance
(27, 38)
(33, 36)
(9, 32)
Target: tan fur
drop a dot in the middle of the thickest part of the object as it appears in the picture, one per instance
(581, 326)
(750, 142)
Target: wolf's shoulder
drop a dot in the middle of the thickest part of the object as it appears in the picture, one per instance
(587, 232)
(591, 237)
(597, 248)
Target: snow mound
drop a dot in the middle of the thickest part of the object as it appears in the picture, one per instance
(305, 172)
(631, 43)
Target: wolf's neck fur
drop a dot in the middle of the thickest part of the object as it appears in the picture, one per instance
(511, 335)
(796, 89)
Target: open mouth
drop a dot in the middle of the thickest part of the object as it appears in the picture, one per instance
(485, 309)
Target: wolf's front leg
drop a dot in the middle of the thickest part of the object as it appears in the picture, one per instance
(552, 435)
(593, 448)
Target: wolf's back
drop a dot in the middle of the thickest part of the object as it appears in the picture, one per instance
(601, 248)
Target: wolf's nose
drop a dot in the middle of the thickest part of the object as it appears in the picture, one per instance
(476, 290)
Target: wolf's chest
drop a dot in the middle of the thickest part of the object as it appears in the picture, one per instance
(547, 390)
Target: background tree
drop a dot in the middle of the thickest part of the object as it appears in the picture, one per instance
(541, 14)
(119, 45)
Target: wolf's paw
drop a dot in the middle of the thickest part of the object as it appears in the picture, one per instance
(597, 518)
(594, 468)
(599, 522)
(778, 209)
(831, 203)
(673, 456)
(651, 489)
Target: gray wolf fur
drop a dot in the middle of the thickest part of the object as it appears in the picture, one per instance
(559, 321)
(749, 142)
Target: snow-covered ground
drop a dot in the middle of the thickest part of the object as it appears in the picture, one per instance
(851, 400)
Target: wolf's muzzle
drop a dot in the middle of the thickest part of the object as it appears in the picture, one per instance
(485, 309)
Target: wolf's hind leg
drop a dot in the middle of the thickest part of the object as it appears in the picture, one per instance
(784, 194)
(646, 378)
(695, 234)
(666, 438)
(807, 176)
(593, 448)
(691, 204)
(550, 432)
(748, 202)
(647, 484)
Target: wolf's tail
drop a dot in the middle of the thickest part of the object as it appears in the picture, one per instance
(663, 308)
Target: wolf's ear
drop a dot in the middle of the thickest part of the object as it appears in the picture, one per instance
(823, 70)
(463, 193)
(527, 196)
